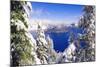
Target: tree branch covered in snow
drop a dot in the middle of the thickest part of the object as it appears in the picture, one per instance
(22, 45)
(87, 23)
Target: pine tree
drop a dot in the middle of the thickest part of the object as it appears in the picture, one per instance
(21, 42)
(52, 55)
(45, 50)
(87, 23)
(42, 45)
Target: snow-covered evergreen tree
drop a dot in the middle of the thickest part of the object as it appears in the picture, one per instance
(22, 43)
(45, 50)
(52, 55)
(87, 23)
(42, 45)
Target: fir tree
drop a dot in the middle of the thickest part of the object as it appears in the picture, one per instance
(42, 45)
(87, 23)
(52, 55)
(21, 42)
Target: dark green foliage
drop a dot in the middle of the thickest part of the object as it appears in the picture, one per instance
(20, 42)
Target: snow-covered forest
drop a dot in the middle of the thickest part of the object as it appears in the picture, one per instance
(27, 50)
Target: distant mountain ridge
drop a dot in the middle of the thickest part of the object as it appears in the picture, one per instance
(56, 28)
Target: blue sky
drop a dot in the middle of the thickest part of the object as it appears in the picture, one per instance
(57, 13)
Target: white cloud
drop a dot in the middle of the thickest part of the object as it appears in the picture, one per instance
(37, 12)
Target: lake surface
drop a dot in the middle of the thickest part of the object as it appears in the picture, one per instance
(61, 39)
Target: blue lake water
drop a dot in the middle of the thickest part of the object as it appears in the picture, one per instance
(60, 40)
